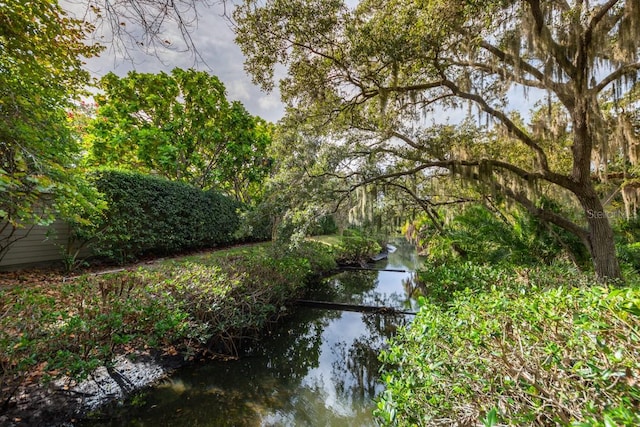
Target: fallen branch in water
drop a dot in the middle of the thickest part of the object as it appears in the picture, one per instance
(328, 305)
(394, 270)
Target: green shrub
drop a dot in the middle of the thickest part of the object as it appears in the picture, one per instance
(630, 254)
(205, 302)
(148, 214)
(324, 225)
(320, 256)
(256, 224)
(566, 355)
(355, 247)
(481, 236)
(628, 231)
(440, 283)
(75, 327)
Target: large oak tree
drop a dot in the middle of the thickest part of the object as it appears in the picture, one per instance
(378, 67)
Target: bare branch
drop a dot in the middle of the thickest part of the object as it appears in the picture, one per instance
(145, 24)
(617, 74)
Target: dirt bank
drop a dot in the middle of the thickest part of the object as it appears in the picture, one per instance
(64, 402)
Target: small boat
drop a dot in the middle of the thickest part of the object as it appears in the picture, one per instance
(391, 249)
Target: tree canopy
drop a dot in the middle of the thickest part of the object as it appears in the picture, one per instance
(181, 126)
(370, 75)
(41, 54)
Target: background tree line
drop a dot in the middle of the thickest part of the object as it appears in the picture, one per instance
(365, 76)
(179, 126)
(355, 140)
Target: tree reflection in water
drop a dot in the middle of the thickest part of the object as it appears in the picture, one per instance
(318, 368)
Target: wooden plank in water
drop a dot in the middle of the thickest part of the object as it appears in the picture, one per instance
(329, 305)
(394, 270)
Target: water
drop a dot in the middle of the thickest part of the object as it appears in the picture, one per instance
(317, 368)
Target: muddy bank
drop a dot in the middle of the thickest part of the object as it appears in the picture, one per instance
(65, 402)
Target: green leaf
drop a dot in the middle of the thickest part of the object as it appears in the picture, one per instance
(491, 418)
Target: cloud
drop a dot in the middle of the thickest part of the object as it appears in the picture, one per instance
(269, 102)
(218, 55)
(238, 90)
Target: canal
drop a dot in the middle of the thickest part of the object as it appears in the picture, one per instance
(318, 367)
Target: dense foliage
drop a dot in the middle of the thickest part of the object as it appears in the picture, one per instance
(482, 234)
(293, 203)
(628, 234)
(356, 246)
(202, 304)
(41, 51)
(181, 126)
(510, 330)
(151, 215)
(382, 90)
(525, 347)
(498, 340)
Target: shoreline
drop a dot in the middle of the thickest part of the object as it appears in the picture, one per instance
(195, 293)
(64, 402)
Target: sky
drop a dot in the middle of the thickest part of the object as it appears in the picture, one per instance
(220, 56)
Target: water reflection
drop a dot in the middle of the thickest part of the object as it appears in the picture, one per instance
(382, 288)
(319, 368)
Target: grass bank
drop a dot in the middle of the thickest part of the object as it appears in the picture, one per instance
(511, 345)
(195, 306)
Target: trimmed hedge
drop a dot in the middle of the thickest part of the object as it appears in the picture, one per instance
(151, 215)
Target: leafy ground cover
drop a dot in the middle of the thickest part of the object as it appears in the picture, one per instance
(516, 346)
(195, 306)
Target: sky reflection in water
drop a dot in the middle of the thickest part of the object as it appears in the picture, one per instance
(318, 368)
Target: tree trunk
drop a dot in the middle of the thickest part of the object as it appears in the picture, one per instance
(600, 241)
